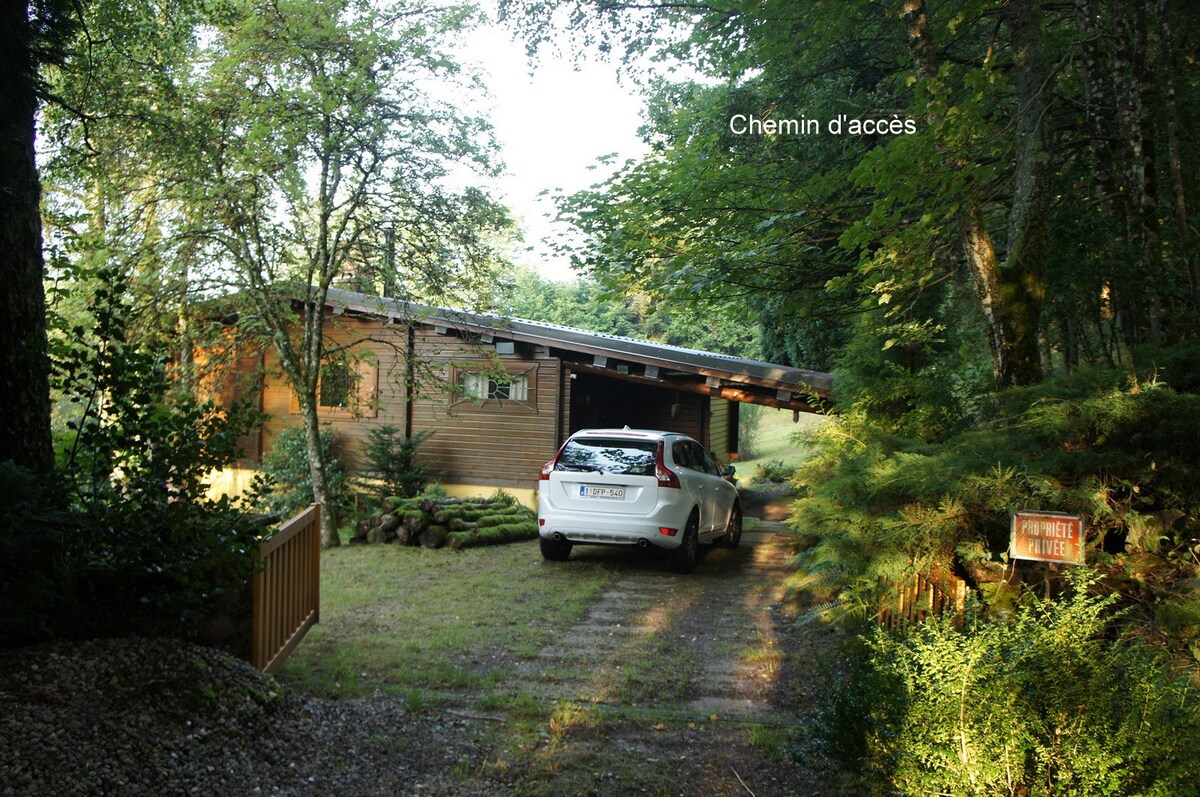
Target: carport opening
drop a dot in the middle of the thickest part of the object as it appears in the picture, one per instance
(598, 402)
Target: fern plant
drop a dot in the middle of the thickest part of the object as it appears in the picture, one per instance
(1043, 704)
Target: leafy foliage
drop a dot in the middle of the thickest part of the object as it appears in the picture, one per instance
(586, 304)
(283, 484)
(802, 232)
(126, 540)
(263, 150)
(773, 471)
(125, 430)
(882, 505)
(1042, 704)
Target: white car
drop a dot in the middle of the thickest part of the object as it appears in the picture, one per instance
(636, 487)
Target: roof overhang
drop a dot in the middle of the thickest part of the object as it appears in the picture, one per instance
(732, 378)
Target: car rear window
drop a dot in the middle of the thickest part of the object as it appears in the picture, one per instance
(599, 455)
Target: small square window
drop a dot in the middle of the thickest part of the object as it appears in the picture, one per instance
(346, 388)
(337, 387)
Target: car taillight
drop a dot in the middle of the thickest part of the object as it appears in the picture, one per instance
(666, 477)
(549, 466)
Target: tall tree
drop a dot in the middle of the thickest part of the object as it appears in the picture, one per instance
(325, 154)
(1011, 290)
(991, 184)
(29, 35)
(117, 141)
(267, 149)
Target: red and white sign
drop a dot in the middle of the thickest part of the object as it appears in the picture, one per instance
(1047, 537)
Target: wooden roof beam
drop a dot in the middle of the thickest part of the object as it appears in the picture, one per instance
(747, 394)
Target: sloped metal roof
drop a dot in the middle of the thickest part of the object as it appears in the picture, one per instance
(722, 366)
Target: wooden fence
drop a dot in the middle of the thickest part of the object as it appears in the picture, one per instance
(287, 590)
(922, 596)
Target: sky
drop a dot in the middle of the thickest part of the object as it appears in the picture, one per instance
(553, 120)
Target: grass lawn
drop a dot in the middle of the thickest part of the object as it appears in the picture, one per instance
(463, 635)
(776, 441)
(414, 621)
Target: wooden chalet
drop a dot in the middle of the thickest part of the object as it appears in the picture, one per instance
(500, 394)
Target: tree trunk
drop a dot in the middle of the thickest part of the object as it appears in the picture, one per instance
(1098, 107)
(1147, 201)
(314, 338)
(302, 370)
(1023, 279)
(1010, 294)
(24, 362)
(317, 473)
(1166, 71)
(1139, 303)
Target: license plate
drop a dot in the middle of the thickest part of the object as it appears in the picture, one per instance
(597, 491)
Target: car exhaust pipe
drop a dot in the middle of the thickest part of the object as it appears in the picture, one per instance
(558, 536)
(643, 543)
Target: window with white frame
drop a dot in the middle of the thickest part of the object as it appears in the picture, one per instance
(482, 386)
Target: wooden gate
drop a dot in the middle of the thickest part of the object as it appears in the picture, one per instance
(923, 595)
(287, 590)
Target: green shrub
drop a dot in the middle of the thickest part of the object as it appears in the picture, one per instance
(881, 506)
(123, 539)
(283, 485)
(390, 460)
(1043, 704)
(749, 425)
(774, 471)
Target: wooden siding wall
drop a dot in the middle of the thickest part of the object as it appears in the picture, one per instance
(244, 385)
(722, 428)
(490, 443)
(229, 372)
(501, 443)
(387, 346)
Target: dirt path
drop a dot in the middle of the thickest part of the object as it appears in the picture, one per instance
(707, 642)
(683, 685)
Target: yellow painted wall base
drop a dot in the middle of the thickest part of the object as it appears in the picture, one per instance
(525, 495)
(234, 482)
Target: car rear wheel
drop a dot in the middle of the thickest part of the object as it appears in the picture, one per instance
(733, 531)
(683, 558)
(554, 550)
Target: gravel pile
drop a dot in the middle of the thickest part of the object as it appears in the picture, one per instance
(159, 717)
